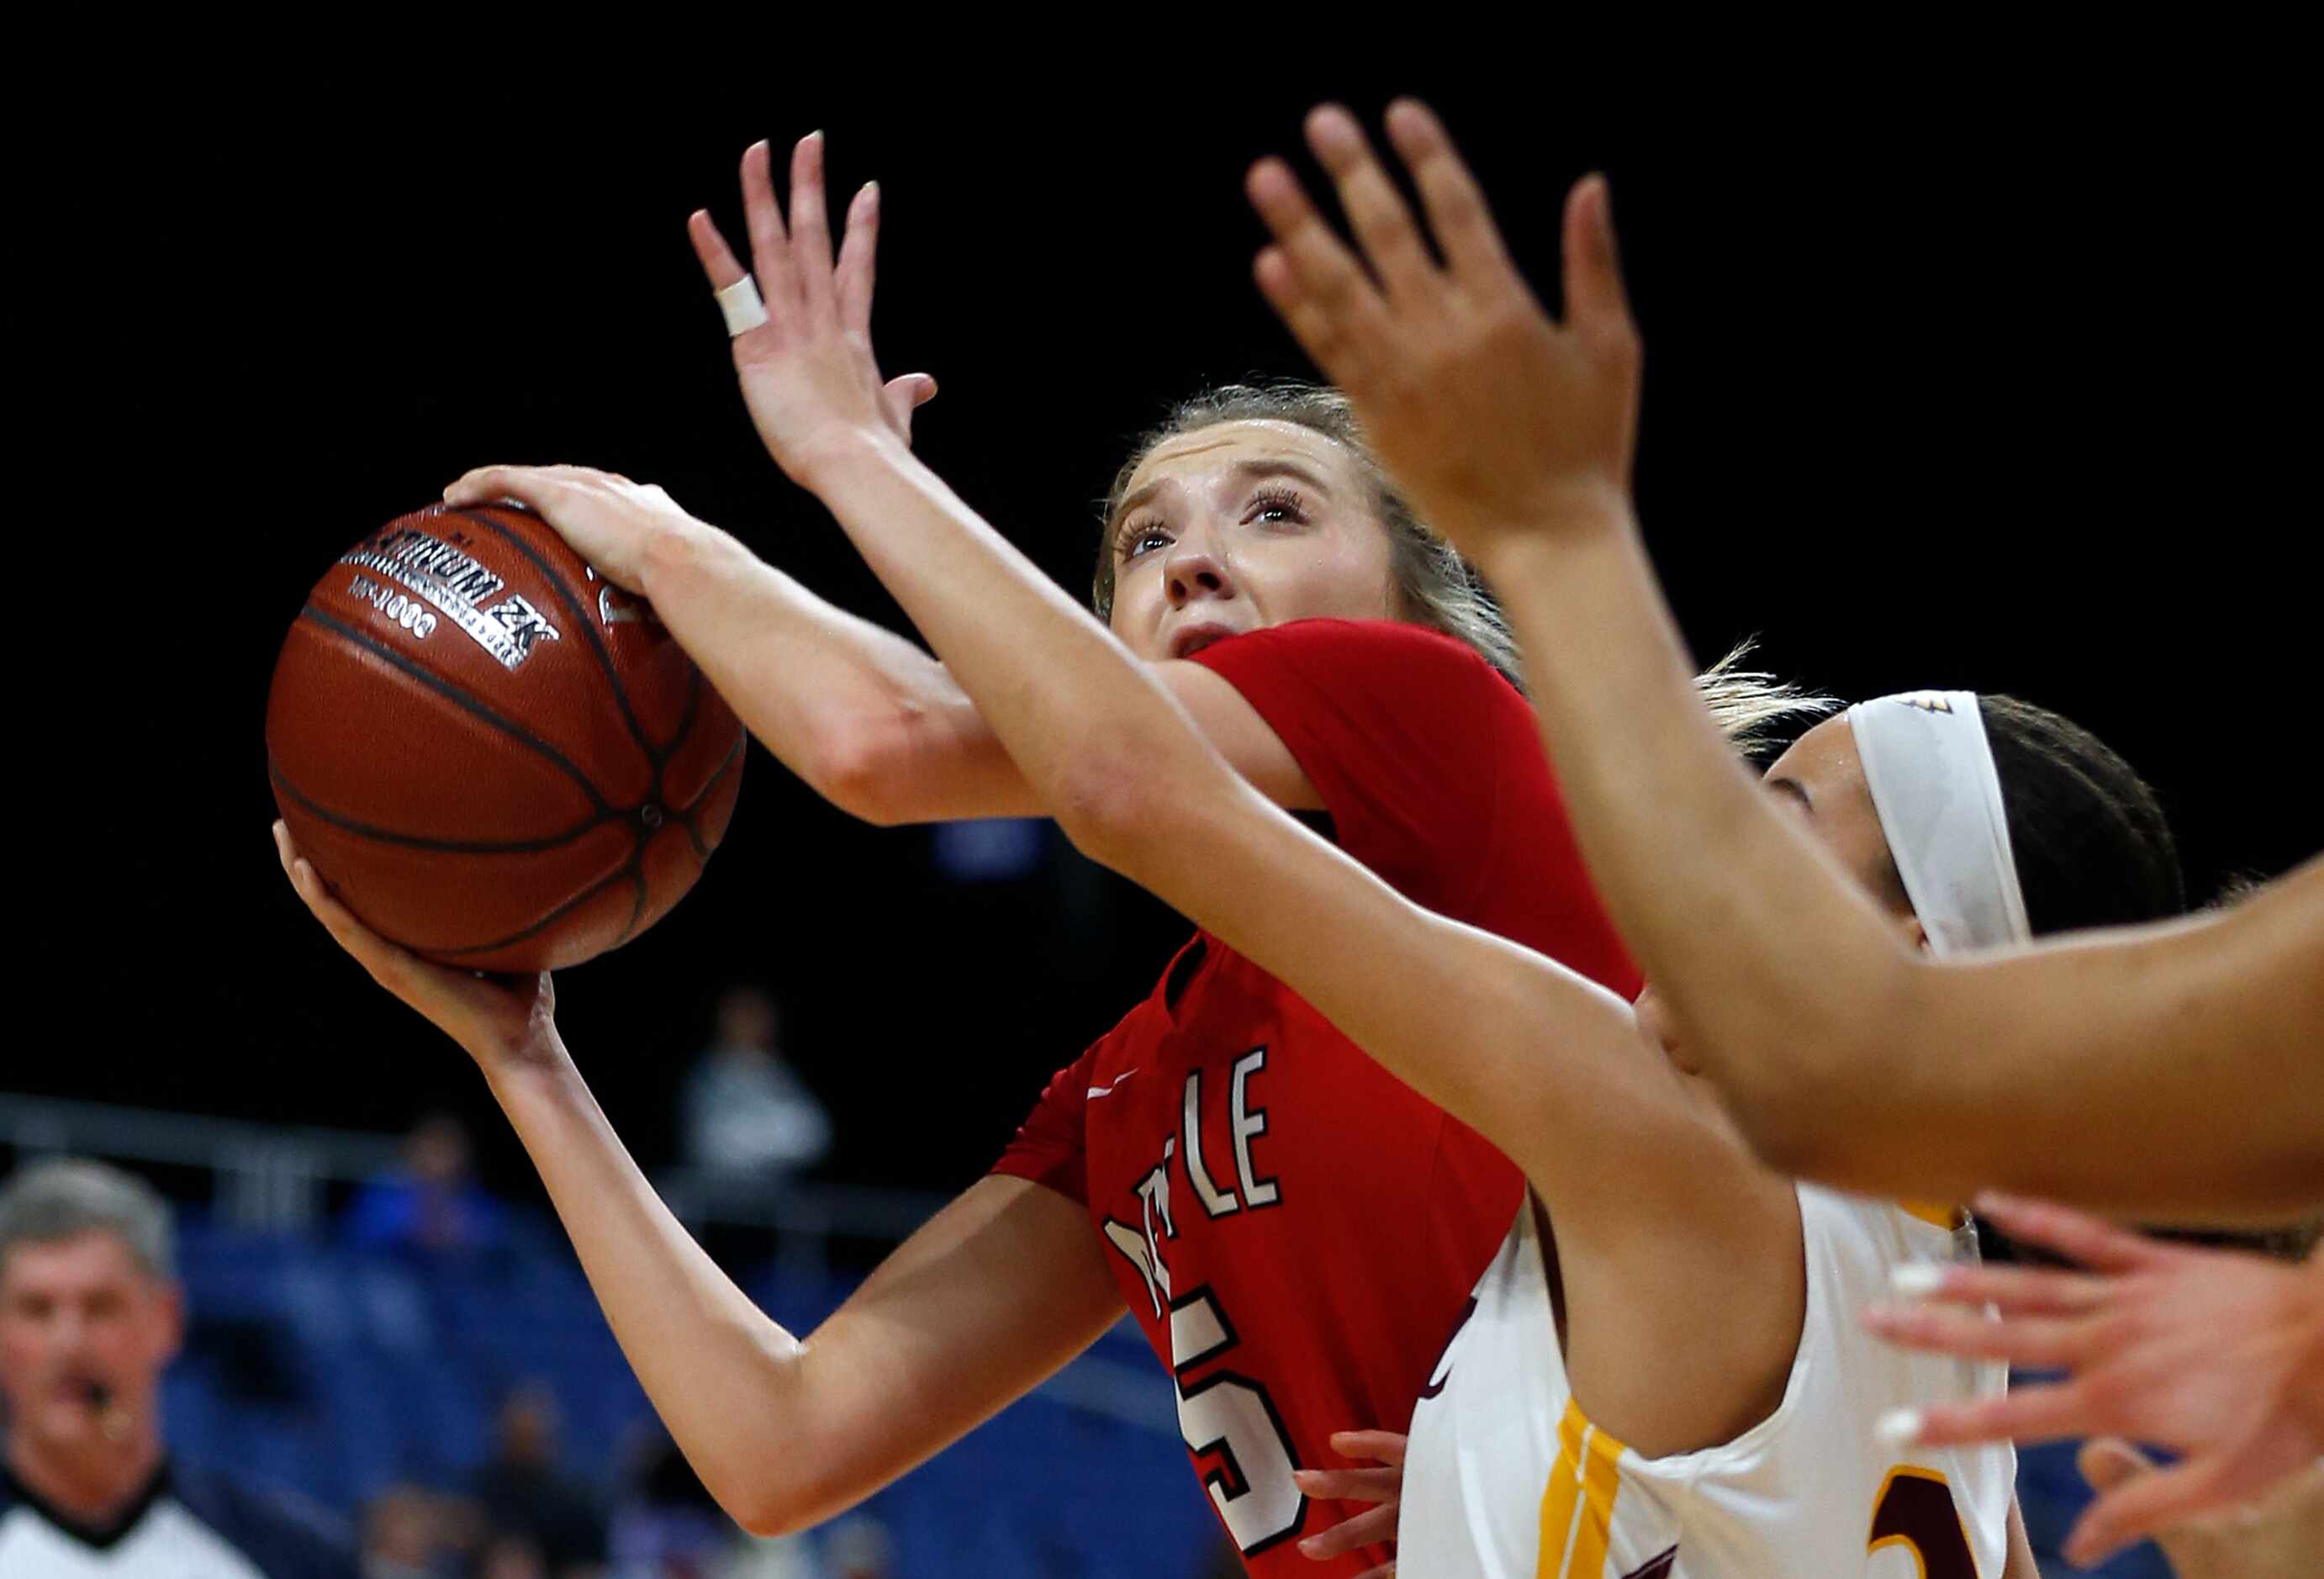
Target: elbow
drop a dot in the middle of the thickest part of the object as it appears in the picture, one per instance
(768, 1502)
(1113, 809)
(860, 766)
(764, 1516)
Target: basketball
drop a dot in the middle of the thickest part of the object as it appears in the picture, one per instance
(493, 756)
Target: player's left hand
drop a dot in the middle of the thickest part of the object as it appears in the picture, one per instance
(1498, 422)
(2217, 1355)
(1385, 1486)
(808, 372)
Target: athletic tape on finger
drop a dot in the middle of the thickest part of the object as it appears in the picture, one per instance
(743, 309)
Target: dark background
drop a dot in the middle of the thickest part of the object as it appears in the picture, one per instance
(1971, 384)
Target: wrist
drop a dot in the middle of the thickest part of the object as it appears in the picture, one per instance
(1555, 524)
(842, 453)
(537, 1067)
(831, 460)
(677, 552)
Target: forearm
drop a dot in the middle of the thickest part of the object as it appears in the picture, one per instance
(1846, 1058)
(855, 710)
(1073, 711)
(1775, 968)
(724, 1377)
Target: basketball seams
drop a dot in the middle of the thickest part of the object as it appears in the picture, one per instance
(345, 824)
(459, 699)
(336, 650)
(732, 759)
(627, 868)
(581, 617)
(645, 896)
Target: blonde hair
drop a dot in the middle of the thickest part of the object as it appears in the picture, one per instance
(1435, 586)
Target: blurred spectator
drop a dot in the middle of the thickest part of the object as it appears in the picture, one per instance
(405, 1536)
(749, 1120)
(90, 1317)
(523, 1491)
(667, 1526)
(433, 1204)
(506, 1556)
(860, 1548)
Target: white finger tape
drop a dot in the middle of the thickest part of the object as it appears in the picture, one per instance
(741, 304)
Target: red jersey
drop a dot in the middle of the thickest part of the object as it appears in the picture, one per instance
(1295, 1228)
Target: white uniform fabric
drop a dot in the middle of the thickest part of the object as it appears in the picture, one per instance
(1505, 1477)
(168, 1541)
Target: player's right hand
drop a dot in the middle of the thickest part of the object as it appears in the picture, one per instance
(500, 1021)
(611, 522)
(807, 374)
(1375, 1527)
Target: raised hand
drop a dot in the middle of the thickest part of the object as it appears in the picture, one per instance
(808, 372)
(1493, 418)
(1375, 1527)
(500, 1021)
(2217, 1355)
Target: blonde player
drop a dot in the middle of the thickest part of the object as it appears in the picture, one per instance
(1661, 1374)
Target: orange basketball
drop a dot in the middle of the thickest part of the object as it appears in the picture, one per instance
(493, 756)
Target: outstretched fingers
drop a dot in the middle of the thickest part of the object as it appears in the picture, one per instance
(2093, 1242)
(719, 265)
(1455, 204)
(1596, 303)
(857, 258)
(1351, 1486)
(2150, 1503)
(1375, 210)
(2047, 1413)
(810, 224)
(1372, 1526)
(2044, 1341)
(1387, 1447)
(770, 242)
(2016, 1290)
(1336, 296)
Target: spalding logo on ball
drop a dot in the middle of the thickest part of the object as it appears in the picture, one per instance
(492, 755)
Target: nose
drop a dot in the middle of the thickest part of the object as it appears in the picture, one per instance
(1194, 570)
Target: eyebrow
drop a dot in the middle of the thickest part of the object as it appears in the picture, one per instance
(1248, 471)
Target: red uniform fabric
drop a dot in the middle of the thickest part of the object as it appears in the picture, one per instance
(1295, 1230)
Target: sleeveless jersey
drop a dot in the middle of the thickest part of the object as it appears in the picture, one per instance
(1294, 1228)
(1506, 1478)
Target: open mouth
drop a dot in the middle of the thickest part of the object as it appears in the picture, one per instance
(1193, 639)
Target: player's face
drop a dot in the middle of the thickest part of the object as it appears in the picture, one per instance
(1821, 781)
(1242, 526)
(76, 1313)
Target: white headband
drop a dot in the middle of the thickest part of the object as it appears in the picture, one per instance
(1929, 768)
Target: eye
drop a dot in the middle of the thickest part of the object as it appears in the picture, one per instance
(1276, 505)
(1139, 539)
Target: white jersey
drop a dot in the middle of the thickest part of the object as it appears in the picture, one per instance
(1505, 1477)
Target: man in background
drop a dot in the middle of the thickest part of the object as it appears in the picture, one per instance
(523, 1492)
(750, 1122)
(90, 1317)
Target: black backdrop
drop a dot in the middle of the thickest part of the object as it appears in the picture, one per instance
(1970, 386)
